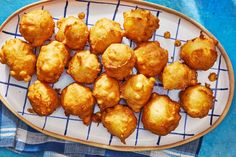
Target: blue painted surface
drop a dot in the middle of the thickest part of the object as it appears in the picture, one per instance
(219, 17)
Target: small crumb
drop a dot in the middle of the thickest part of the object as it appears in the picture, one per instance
(212, 77)
(30, 110)
(167, 35)
(58, 90)
(81, 15)
(202, 36)
(177, 43)
(207, 85)
(97, 117)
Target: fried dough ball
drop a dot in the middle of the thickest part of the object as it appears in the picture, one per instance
(118, 61)
(84, 67)
(37, 26)
(139, 25)
(78, 100)
(161, 115)
(178, 76)
(199, 53)
(120, 121)
(51, 62)
(43, 98)
(72, 32)
(197, 100)
(19, 56)
(104, 33)
(137, 90)
(106, 90)
(151, 58)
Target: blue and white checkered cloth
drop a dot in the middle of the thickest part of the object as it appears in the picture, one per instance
(19, 137)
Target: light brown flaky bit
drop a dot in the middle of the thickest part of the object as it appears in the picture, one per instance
(178, 76)
(199, 53)
(78, 100)
(106, 90)
(104, 33)
(139, 25)
(120, 121)
(19, 56)
(84, 67)
(151, 58)
(43, 98)
(118, 61)
(37, 26)
(81, 15)
(137, 91)
(197, 100)
(72, 32)
(51, 62)
(161, 115)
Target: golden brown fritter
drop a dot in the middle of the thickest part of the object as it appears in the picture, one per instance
(104, 33)
(197, 100)
(140, 25)
(84, 67)
(137, 91)
(78, 100)
(178, 76)
(120, 121)
(43, 98)
(161, 115)
(118, 61)
(106, 90)
(37, 26)
(51, 62)
(199, 53)
(151, 58)
(72, 32)
(19, 56)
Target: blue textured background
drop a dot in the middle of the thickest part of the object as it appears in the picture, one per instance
(219, 17)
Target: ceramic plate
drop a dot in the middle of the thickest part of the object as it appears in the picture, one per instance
(13, 93)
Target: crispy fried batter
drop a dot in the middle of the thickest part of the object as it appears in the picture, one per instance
(178, 76)
(104, 33)
(78, 100)
(43, 98)
(106, 90)
(51, 62)
(199, 53)
(161, 115)
(72, 32)
(19, 56)
(140, 25)
(84, 67)
(118, 61)
(151, 58)
(197, 100)
(120, 121)
(37, 26)
(137, 90)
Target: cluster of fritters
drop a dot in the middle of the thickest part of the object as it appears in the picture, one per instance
(160, 114)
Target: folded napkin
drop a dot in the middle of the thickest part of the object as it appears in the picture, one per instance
(19, 137)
